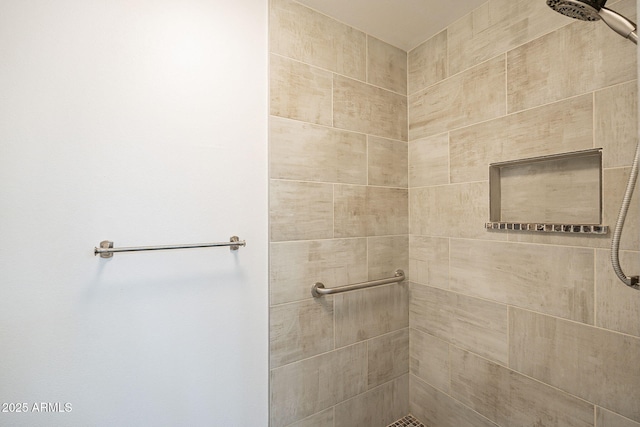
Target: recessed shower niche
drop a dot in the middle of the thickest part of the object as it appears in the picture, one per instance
(556, 193)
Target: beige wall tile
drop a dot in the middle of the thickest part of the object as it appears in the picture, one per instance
(462, 100)
(429, 359)
(429, 261)
(387, 66)
(429, 161)
(593, 364)
(376, 408)
(560, 191)
(364, 314)
(430, 311)
(550, 279)
(437, 409)
(321, 419)
(368, 109)
(555, 128)
(308, 36)
(300, 330)
(306, 152)
(616, 123)
(387, 211)
(428, 63)
(388, 357)
(511, 399)
(386, 255)
(299, 91)
(606, 418)
(370, 211)
(476, 325)
(614, 186)
(300, 210)
(350, 211)
(617, 305)
(496, 27)
(304, 388)
(459, 210)
(296, 266)
(571, 61)
(387, 162)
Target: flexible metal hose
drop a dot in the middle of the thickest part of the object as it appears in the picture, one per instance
(631, 281)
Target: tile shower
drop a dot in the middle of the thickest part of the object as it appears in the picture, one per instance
(379, 160)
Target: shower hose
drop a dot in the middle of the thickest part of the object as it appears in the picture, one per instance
(631, 281)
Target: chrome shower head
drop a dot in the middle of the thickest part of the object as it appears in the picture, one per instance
(584, 10)
(594, 10)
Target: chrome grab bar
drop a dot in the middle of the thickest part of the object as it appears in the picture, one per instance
(106, 249)
(319, 290)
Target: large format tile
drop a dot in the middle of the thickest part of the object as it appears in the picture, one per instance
(606, 418)
(616, 123)
(305, 152)
(457, 210)
(303, 388)
(387, 161)
(429, 161)
(593, 364)
(308, 36)
(437, 409)
(370, 211)
(300, 330)
(369, 109)
(428, 63)
(461, 100)
(496, 27)
(386, 255)
(558, 191)
(296, 266)
(388, 357)
(350, 211)
(556, 128)
(573, 60)
(476, 325)
(429, 359)
(367, 313)
(550, 279)
(378, 407)
(386, 66)
(387, 211)
(300, 210)
(617, 305)
(429, 261)
(299, 91)
(511, 399)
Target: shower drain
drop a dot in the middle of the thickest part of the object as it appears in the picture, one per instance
(408, 421)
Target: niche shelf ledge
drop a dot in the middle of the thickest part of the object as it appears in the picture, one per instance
(549, 228)
(558, 193)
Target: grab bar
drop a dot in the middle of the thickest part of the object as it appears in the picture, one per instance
(319, 290)
(106, 249)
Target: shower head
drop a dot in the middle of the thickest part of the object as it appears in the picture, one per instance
(594, 10)
(584, 10)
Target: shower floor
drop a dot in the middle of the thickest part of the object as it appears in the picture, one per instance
(408, 421)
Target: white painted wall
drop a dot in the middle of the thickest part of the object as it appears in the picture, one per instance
(143, 122)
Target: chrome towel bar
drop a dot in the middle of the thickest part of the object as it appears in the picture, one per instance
(319, 290)
(106, 249)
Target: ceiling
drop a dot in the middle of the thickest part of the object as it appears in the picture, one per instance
(402, 23)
